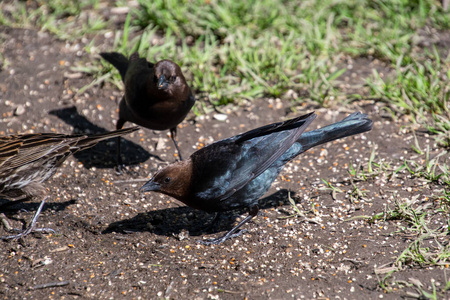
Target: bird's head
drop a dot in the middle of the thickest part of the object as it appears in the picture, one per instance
(174, 180)
(167, 74)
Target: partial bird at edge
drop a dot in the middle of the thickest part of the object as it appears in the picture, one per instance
(27, 160)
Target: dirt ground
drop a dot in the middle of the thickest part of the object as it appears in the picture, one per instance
(112, 241)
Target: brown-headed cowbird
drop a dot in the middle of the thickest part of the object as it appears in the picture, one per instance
(156, 95)
(235, 172)
(27, 160)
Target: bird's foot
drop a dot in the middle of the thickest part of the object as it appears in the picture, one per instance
(31, 227)
(121, 168)
(222, 239)
(25, 233)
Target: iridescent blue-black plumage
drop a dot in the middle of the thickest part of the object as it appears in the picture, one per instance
(235, 172)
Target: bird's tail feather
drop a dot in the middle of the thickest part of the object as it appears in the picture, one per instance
(93, 139)
(354, 124)
(119, 61)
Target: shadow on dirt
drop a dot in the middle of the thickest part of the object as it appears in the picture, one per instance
(102, 155)
(11, 208)
(173, 221)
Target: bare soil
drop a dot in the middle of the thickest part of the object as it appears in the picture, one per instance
(111, 241)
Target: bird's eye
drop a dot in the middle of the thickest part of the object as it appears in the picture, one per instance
(172, 78)
(167, 179)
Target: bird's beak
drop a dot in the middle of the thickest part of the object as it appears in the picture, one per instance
(150, 186)
(162, 82)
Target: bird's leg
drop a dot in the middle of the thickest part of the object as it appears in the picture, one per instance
(30, 227)
(253, 212)
(119, 125)
(173, 135)
(120, 167)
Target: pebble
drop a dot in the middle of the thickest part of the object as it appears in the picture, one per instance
(220, 117)
(20, 110)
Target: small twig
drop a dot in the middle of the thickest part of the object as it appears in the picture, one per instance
(385, 270)
(169, 290)
(50, 284)
(353, 261)
(130, 181)
(228, 291)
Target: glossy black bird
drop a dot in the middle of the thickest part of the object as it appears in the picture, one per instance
(235, 172)
(27, 160)
(156, 95)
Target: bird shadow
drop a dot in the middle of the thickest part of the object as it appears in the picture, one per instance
(102, 155)
(173, 221)
(10, 208)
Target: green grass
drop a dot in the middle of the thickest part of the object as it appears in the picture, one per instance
(421, 217)
(69, 20)
(256, 49)
(243, 50)
(420, 89)
(428, 244)
(423, 290)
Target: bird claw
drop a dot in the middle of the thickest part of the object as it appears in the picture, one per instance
(26, 232)
(31, 227)
(121, 168)
(222, 239)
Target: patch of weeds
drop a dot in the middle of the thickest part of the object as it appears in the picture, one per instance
(417, 215)
(425, 224)
(443, 196)
(356, 194)
(431, 290)
(67, 19)
(240, 67)
(431, 170)
(420, 89)
(387, 29)
(439, 126)
(235, 50)
(422, 220)
(403, 210)
(330, 187)
(297, 211)
(417, 88)
(419, 253)
(372, 169)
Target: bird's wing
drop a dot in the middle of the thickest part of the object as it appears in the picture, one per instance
(268, 143)
(20, 150)
(234, 162)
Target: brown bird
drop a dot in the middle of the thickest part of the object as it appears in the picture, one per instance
(235, 172)
(27, 160)
(156, 95)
